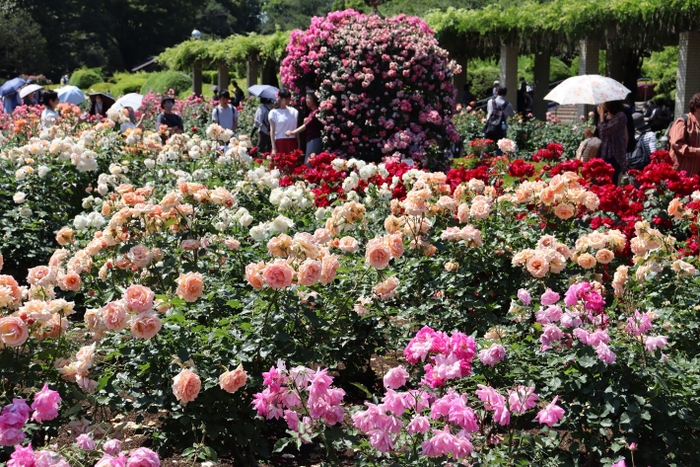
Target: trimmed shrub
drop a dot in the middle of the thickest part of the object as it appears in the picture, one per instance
(124, 83)
(165, 81)
(84, 78)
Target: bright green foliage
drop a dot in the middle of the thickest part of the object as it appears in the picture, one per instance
(84, 78)
(127, 82)
(661, 68)
(165, 81)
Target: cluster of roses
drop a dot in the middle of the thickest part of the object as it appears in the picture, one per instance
(187, 384)
(598, 248)
(521, 169)
(444, 423)
(15, 415)
(653, 251)
(552, 152)
(550, 255)
(586, 320)
(300, 392)
(351, 59)
(305, 257)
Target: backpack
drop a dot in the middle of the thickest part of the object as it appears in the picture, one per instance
(493, 129)
(640, 157)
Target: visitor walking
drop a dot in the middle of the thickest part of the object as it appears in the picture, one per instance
(312, 127)
(467, 96)
(238, 95)
(612, 131)
(261, 124)
(498, 110)
(132, 124)
(49, 116)
(684, 139)
(645, 144)
(283, 118)
(168, 119)
(225, 114)
(496, 87)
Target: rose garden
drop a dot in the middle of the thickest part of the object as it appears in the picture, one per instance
(190, 300)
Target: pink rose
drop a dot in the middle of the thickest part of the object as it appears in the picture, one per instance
(186, 386)
(139, 298)
(549, 297)
(114, 315)
(189, 286)
(145, 325)
(232, 381)
(85, 442)
(278, 275)
(140, 256)
(143, 457)
(330, 267)
(70, 282)
(348, 245)
(395, 377)
(22, 457)
(190, 245)
(13, 331)
(310, 272)
(492, 355)
(112, 447)
(45, 405)
(377, 254)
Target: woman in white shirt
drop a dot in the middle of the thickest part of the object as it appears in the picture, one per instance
(283, 119)
(49, 116)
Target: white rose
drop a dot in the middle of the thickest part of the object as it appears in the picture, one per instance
(282, 224)
(96, 220)
(149, 163)
(257, 233)
(115, 169)
(19, 197)
(245, 220)
(43, 170)
(80, 222)
(102, 189)
(87, 202)
(25, 212)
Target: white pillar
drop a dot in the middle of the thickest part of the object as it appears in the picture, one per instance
(688, 76)
(509, 71)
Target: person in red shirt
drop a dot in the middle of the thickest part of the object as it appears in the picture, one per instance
(684, 139)
(312, 126)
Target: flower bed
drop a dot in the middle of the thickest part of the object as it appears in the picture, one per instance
(241, 302)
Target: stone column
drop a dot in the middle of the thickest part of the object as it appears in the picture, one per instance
(589, 65)
(542, 65)
(223, 76)
(252, 72)
(509, 71)
(197, 78)
(688, 76)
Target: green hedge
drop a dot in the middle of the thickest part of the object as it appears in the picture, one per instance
(167, 80)
(84, 78)
(124, 83)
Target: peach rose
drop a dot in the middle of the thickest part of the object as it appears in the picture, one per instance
(377, 253)
(463, 213)
(310, 272)
(186, 386)
(140, 256)
(348, 245)
(64, 236)
(480, 209)
(279, 246)
(564, 211)
(330, 267)
(395, 244)
(222, 196)
(70, 282)
(145, 325)
(547, 196)
(41, 276)
(586, 261)
(387, 288)
(278, 275)
(392, 224)
(114, 315)
(322, 235)
(253, 274)
(13, 331)
(537, 266)
(231, 243)
(189, 286)
(232, 381)
(305, 245)
(451, 266)
(138, 298)
(604, 256)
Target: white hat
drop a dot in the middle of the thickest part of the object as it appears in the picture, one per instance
(496, 83)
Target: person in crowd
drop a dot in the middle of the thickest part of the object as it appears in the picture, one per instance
(496, 87)
(649, 108)
(167, 118)
(33, 98)
(661, 116)
(312, 127)
(132, 123)
(238, 94)
(100, 104)
(497, 127)
(261, 124)
(520, 101)
(225, 114)
(282, 118)
(684, 139)
(644, 132)
(10, 102)
(612, 131)
(467, 96)
(49, 116)
(589, 147)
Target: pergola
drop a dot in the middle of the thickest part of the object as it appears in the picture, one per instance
(623, 28)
